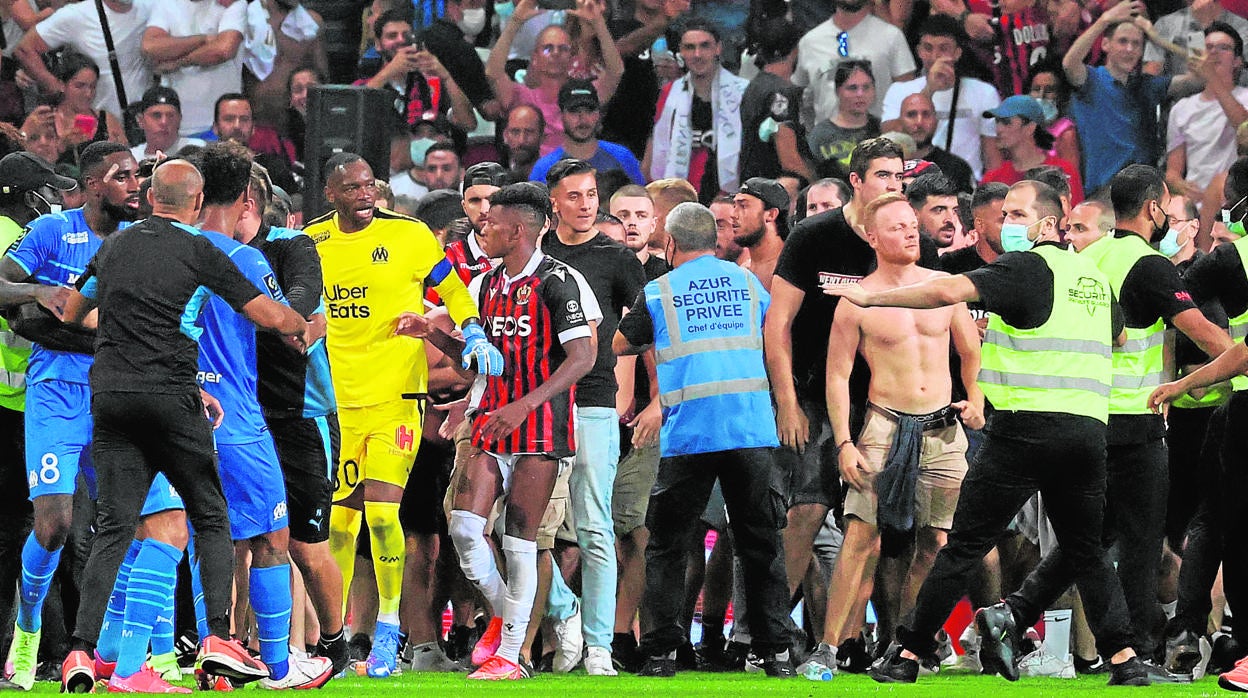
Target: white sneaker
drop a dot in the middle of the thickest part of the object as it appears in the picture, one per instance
(598, 662)
(969, 661)
(304, 672)
(571, 643)
(430, 657)
(1041, 663)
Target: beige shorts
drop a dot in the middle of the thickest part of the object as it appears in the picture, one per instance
(634, 480)
(942, 466)
(556, 511)
(465, 452)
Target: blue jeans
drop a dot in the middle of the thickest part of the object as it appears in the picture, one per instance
(591, 483)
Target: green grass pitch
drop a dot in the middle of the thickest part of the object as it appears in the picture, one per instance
(732, 685)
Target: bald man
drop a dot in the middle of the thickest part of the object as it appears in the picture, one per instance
(146, 400)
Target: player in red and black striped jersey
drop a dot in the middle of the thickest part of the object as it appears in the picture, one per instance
(534, 316)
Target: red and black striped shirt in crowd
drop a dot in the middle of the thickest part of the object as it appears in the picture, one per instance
(468, 260)
(528, 318)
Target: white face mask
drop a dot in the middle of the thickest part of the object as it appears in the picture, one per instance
(473, 21)
(53, 208)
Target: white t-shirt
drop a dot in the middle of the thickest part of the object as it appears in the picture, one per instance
(13, 31)
(874, 39)
(199, 86)
(1201, 125)
(975, 98)
(402, 184)
(78, 25)
(140, 151)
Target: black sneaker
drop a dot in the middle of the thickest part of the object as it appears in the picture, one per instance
(1132, 672)
(1158, 674)
(777, 665)
(48, 671)
(659, 667)
(712, 655)
(546, 665)
(999, 638)
(359, 647)
(1226, 652)
(686, 658)
(1096, 665)
(852, 656)
(459, 642)
(186, 647)
(624, 654)
(894, 668)
(337, 651)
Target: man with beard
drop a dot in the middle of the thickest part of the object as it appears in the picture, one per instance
(760, 212)
(635, 209)
(232, 120)
(580, 111)
(935, 202)
(829, 248)
(53, 252)
(918, 120)
(522, 140)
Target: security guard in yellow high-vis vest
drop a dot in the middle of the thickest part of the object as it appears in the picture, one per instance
(1152, 296)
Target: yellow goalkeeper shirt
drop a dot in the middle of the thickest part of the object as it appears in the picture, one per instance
(371, 276)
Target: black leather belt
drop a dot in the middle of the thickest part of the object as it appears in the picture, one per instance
(942, 418)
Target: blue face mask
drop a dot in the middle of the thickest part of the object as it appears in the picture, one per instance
(1014, 238)
(418, 148)
(1049, 108)
(1169, 244)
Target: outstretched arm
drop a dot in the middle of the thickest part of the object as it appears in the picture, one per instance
(936, 292)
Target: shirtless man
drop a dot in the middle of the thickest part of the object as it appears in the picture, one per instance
(907, 351)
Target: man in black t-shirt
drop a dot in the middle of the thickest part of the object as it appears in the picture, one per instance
(1216, 279)
(616, 277)
(145, 400)
(771, 103)
(829, 248)
(986, 213)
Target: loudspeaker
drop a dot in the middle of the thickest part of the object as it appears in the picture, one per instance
(345, 119)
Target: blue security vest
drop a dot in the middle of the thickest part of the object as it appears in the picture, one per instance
(708, 339)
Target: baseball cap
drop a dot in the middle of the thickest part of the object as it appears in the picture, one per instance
(1025, 106)
(914, 168)
(159, 95)
(578, 93)
(490, 173)
(769, 191)
(23, 171)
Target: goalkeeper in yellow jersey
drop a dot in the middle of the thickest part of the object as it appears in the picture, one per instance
(377, 265)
